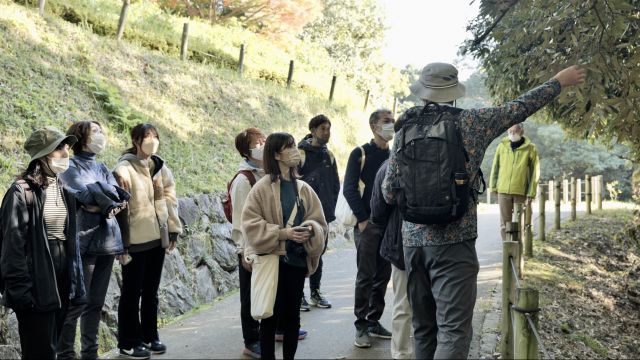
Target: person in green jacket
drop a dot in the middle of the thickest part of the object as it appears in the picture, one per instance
(515, 173)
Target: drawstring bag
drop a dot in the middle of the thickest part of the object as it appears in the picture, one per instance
(343, 212)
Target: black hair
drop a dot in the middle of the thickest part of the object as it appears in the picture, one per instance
(138, 134)
(317, 121)
(82, 131)
(275, 143)
(376, 115)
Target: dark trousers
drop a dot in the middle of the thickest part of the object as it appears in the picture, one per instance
(138, 307)
(372, 278)
(39, 331)
(314, 279)
(442, 292)
(286, 313)
(250, 326)
(97, 273)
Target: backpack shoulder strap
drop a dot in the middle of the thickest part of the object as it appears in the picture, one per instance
(303, 156)
(249, 175)
(28, 193)
(331, 157)
(362, 158)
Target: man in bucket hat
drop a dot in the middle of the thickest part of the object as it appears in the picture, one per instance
(441, 260)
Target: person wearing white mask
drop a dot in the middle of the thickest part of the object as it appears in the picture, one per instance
(250, 146)
(39, 263)
(374, 271)
(283, 216)
(150, 227)
(514, 174)
(100, 199)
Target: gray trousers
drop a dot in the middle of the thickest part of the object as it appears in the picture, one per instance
(442, 292)
(97, 272)
(506, 203)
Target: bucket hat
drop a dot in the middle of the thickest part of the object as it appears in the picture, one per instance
(43, 141)
(438, 82)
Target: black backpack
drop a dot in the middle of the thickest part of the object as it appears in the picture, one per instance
(431, 159)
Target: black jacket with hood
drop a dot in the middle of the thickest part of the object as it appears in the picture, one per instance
(320, 171)
(26, 265)
(389, 218)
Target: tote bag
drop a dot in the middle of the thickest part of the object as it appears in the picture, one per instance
(264, 285)
(344, 214)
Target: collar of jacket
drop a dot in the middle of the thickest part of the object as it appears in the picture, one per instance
(306, 145)
(143, 164)
(507, 143)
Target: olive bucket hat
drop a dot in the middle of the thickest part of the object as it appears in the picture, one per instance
(43, 141)
(438, 82)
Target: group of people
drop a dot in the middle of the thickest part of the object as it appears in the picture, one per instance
(65, 220)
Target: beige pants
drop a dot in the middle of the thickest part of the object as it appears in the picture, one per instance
(401, 328)
(506, 202)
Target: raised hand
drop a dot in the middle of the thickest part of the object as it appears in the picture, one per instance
(571, 76)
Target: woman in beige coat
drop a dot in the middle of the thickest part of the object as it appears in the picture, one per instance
(149, 229)
(283, 216)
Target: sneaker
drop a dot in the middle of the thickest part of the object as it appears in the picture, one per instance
(379, 331)
(304, 305)
(156, 347)
(137, 352)
(302, 334)
(252, 350)
(362, 339)
(318, 300)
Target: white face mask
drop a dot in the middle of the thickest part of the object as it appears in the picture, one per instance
(386, 131)
(514, 137)
(150, 145)
(97, 143)
(258, 153)
(58, 165)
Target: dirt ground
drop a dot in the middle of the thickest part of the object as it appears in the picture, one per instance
(587, 274)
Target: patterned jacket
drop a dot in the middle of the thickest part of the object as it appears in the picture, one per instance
(479, 127)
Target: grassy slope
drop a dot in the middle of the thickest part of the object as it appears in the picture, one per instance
(53, 72)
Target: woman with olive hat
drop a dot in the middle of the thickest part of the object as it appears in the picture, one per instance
(39, 264)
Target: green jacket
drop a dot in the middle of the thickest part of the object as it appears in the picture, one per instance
(515, 172)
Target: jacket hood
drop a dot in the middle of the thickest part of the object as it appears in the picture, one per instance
(140, 163)
(247, 165)
(305, 144)
(527, 142)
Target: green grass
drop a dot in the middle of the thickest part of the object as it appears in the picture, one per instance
(53, 72)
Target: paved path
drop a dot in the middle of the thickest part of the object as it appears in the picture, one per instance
(216, 333)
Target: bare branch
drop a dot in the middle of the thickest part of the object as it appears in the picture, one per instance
(477, 41)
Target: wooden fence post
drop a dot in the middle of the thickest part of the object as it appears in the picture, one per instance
(488, 196)
(366, 101)
(600, 191)
(241, 60)
(395, 103)
(185, 41)
(556, 195)
(290, 74)
(41, 4)
(123, 18)
(333, 87)
(526, 344)
(587, 193)
(573, 198)
(565, 191)
(528, 233)
(542, 226)
(578, 191)
(509, 249)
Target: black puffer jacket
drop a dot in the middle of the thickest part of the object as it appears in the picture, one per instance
(320, 171)
(26, 265)
(388, 218)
